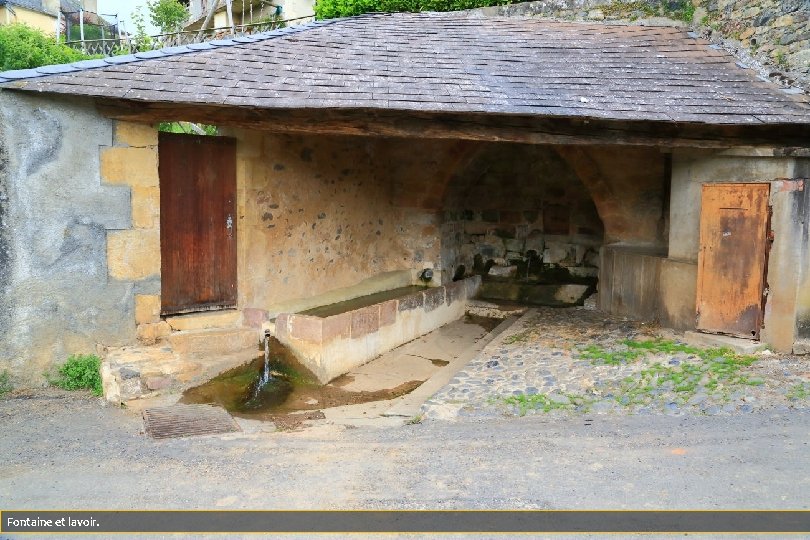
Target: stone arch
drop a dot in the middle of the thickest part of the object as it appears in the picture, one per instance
(628, 187)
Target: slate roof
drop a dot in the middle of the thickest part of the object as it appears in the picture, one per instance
(36, 5)
(444, 62)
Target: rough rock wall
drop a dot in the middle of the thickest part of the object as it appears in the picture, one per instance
(512, 198)
(776, 32)
(320, 213)
(55, 296)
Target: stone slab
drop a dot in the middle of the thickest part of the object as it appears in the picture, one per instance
(201, 321)
(216, 341)
(739, 345)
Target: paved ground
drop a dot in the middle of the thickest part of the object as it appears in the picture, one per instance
(575, 361)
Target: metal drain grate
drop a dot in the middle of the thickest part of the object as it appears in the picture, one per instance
(187, 420)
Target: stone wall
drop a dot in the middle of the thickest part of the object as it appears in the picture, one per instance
(326, 218)
(510, 199)
(56, 214)
(775, 32)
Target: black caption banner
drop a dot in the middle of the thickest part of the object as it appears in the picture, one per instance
(442, 521)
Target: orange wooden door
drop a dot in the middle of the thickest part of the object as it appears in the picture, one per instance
(732, 259)
(197, 222)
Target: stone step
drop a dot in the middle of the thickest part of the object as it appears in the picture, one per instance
(215, 341)
(134, 373)
(738, 345)
(230, 318)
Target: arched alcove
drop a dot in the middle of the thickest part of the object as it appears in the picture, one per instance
(522, 209)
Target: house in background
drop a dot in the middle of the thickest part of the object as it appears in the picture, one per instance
(247, 12)
(357, 153)
(41, 14)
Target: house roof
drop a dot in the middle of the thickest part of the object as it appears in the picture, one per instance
(37, 5)
(33, 5)
(443, 62)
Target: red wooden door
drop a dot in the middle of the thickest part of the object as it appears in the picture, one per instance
(197, 222)
(733, 254)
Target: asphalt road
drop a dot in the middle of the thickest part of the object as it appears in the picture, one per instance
(64, 451)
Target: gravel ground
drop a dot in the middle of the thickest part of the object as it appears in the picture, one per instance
(576, 361)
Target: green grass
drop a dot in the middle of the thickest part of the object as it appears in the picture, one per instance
(620, 8)
(5, 383)
(81, 371)
(799, 392)
(687, 14)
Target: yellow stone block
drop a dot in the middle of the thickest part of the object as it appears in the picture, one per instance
(145, 207)
(131, 134)
(130, 166)
(133, 254)
(784, 20)
(148, 334)
(201, 321)
(147, 308)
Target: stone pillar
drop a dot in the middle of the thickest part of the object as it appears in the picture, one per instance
(134, 254)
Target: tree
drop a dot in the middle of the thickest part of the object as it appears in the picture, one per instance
(168, 15)
(23, 47)
(141, 40)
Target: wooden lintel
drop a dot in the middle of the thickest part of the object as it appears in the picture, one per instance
(477, 127)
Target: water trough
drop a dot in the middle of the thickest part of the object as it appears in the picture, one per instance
(332, 340)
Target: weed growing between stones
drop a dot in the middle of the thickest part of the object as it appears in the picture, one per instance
(519, 337)
(705, 375)
(5, 383)
(547, 403)
(81, 371)
(633, 350)
(799, 392)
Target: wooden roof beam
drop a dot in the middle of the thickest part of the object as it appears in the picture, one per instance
(478, 127)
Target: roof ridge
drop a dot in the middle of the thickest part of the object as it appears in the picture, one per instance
(165, 52)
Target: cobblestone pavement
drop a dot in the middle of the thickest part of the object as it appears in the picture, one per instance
(576, 361)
